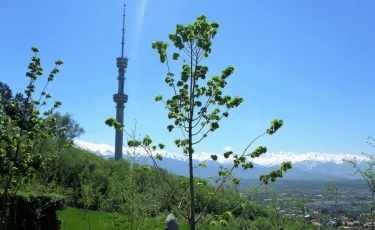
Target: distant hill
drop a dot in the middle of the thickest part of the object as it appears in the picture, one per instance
(308, 166)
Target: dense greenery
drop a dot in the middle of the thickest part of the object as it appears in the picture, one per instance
(133, 192)
(23, 131)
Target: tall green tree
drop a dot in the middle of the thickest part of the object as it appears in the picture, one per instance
(198, 105)
(6, 99)
(6, 95)
(22, 131)
(196, 108)
(68, 126)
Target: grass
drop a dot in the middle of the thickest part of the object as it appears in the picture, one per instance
(75, 219)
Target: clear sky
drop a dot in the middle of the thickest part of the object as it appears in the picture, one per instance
(310, 63)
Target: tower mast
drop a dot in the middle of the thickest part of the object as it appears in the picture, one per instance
(120, 98)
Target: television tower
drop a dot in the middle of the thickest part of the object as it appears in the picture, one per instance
(120, 98)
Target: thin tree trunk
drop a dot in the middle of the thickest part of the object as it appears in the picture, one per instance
(191, 177)
(132, 204)
(191, 172)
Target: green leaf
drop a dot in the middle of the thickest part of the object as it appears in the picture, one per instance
(175, 56)
(201, 182)
(170, 128)
(227, 154)
(247, 166)
(214, 126)
(147, 168)
(59, 62)
(133, 143)
(158, 98)
(286, 166)
(159, 157)
(34, 49)
(112, 122)
(264, 178)
(147, 141)
(275, 125)
(203, 165)
(223, 223)
(236, 181)
(258, 151)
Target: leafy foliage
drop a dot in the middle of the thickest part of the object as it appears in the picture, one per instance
(199, 104)
(368, 175)
(23, 129)
(68, 127)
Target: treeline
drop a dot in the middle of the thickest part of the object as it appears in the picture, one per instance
(136, 190)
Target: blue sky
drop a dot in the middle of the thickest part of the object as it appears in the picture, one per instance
(310, 63)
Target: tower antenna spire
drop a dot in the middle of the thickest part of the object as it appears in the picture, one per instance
(123, 33)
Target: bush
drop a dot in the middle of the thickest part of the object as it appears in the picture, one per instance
(29, 211)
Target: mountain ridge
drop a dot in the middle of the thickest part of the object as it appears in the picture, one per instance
(308, 166)
(309, 159)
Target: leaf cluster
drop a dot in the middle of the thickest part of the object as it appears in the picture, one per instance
(23, 128)
(198, 104)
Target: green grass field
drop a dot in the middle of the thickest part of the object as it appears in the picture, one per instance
(76, 219)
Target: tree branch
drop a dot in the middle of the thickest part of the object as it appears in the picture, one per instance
(226, 176)
(157, 168)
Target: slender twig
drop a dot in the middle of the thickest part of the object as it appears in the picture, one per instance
(186, 52)
(247, 197)
(169, 72)
(205, 106)
(157, 168)
(238, 205)
(44, 89)
(203, 162)
(205, 135)
(227, 175)
(183, 196)
(206, 123)
(174, 88)
(208, 220)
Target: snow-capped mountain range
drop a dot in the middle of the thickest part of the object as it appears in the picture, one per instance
(309, 165)
(268, 159)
